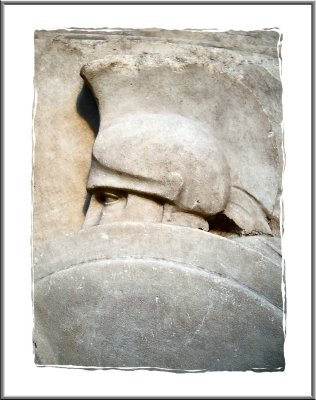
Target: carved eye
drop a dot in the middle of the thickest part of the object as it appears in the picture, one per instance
(107, 198)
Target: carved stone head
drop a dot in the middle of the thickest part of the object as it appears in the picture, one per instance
(157, 158)
(158, 168)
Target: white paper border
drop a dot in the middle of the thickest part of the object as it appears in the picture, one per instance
(21, 377)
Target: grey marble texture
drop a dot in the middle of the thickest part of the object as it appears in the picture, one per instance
(157, 178)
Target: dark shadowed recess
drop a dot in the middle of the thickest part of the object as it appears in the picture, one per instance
(86, 203)
(222, 225)
(87, 108)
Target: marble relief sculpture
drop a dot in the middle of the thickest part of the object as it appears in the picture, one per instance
(177, 264)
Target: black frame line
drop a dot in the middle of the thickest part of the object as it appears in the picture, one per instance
(88, 3)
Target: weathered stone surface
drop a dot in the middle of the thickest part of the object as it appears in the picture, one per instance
(153, 295)
(229, 257)
(246, 99)
(157, 265)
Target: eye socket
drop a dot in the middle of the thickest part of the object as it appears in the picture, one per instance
(107, 198)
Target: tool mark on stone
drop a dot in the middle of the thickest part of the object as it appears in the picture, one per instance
(200, 326)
